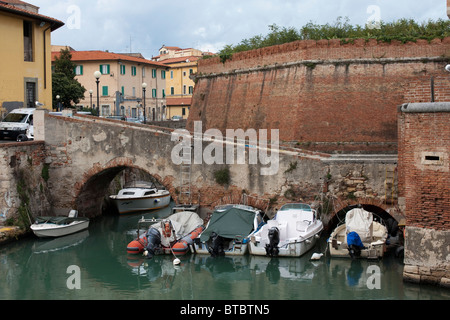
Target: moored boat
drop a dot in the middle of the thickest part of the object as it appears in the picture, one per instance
(228, 229)
(359, 237)
(167, 236)
(141, 196)
(293, 231)
(59, 226)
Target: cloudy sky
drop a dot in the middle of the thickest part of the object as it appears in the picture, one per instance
(145, 25)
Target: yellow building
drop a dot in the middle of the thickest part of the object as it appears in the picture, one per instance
(25, 56)
(179, 83)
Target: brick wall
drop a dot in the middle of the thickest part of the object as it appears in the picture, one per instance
(424, 171)
(424, 175)
(322, 95)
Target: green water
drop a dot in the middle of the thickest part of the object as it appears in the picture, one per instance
(34, 268)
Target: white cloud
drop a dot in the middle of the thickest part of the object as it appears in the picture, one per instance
(109, 24)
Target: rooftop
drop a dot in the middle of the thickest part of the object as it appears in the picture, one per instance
(97, 55)
(24, 9)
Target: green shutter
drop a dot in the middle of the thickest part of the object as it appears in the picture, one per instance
(105, 90)
(163, 74)
(163, 93)
(153, 93)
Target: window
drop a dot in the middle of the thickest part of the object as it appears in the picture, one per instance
(172, 91)
(191, 71)
(153, 73)
(163, 74)
(79, 70)
(184, 89)
(122, 69)
(123, 90)
(27, 41)
(133, 71)
(171, 74)
(153, 93)
(30, 94)
(104, 69)
(143, 72)
(191, 89)
(104, 90)
(163, 93)
(134, 92)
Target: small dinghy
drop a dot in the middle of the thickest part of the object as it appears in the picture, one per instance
(172, 235)
(227, 231)
(359, 237)
(59, 226)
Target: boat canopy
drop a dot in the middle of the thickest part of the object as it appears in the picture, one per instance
(230, 222)
(360, 221)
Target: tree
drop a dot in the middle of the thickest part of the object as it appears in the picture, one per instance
(64, 83)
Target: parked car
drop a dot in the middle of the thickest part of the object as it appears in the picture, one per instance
(177, 118)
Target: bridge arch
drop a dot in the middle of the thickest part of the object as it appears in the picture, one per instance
(380, 209)
(92, 188)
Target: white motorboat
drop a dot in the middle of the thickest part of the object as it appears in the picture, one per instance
(227, 231)
(359, 237)
(59, 226)
(140, 196)
(293, 231)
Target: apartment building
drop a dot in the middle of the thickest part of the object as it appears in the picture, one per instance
(122, 82)
(179, 83)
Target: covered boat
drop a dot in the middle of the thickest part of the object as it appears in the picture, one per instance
(292, 232)
(228, 229)
(140, 196)
(173, 234)
(59, 226)
(359, 237)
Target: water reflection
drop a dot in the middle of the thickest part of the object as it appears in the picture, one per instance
(37, 269)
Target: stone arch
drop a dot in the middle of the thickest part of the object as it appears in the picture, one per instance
(382, 210)
(91, 189)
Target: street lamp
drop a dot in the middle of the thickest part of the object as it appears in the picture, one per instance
(58, 107)
(144, 86)
(90, 94)
(97, 75)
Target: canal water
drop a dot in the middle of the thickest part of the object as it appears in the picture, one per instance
(94, 265)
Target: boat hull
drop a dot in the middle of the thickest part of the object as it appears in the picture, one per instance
(338, 248)
(51, 230)
(291, 249)
(130, 205)
(233, 250)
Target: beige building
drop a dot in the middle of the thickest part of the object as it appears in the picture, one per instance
(121, 82)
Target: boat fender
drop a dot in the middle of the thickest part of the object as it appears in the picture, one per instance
(153, 242)
(274, 239)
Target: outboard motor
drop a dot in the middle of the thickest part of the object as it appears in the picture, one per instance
(153, 242)
(354, 244)
(217, 245)
(274, 240)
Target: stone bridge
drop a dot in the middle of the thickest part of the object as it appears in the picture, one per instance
(83, 154)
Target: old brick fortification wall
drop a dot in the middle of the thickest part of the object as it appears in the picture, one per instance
(424, 188)
(323, 95)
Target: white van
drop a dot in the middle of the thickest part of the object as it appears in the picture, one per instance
(18, 125)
